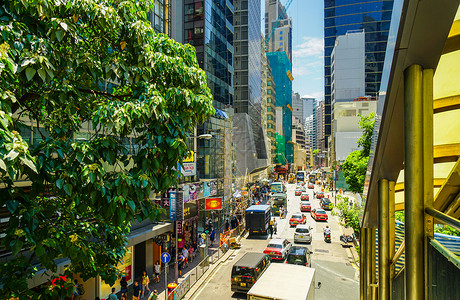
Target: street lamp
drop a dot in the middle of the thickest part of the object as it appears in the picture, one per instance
(205, 136)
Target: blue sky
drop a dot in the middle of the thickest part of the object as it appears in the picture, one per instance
(307, 46)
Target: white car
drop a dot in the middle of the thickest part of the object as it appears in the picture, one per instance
(278, 249)
(302, 234)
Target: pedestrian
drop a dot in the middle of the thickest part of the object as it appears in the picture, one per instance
(157, 268)
(123, 287)
(227, 225)
(275, 230)
(153, 295)
(136, 290)
(185, 254)
(213, 236)
(112, 296)
(200, 240)
(180, 262)
(270, 230)
(191, 253)
(145, 283)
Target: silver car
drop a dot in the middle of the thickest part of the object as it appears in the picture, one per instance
(302, 234)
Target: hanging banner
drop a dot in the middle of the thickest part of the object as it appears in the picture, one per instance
(213, 203)
(180, 206)
(192, 191)
(179, 227)
(213, 188)
(207, 189)
(185, 189)
(172, 206)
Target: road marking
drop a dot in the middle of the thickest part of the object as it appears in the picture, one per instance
(330, 271)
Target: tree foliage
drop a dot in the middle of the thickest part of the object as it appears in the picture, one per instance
(349, 214)
(354, 168)
(355, 165)
(95, 66)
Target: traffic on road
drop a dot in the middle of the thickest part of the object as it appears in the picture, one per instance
(299, 239)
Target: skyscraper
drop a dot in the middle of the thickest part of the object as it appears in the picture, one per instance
(340, 16)
(281, 37)
(249, 134)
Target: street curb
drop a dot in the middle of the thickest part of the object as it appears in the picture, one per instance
(349, 252)
(207, 274)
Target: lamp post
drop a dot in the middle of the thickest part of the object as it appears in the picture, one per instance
(205, 136)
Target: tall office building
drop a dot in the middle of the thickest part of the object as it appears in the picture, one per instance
(249, 133)
(340, 16)
(308, 107)
(297, 108)
(281, 71)
(278, 28)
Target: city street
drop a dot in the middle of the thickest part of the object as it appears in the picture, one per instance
(338, 277)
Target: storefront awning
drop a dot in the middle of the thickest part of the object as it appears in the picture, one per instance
(147, 232)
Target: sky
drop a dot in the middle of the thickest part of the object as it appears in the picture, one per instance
(307, 46)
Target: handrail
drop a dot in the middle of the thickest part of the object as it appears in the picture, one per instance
(446, 252)
(443, 217)
(398, 253)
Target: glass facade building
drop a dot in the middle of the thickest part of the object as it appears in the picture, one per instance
(159, 17)
(208, 25)
(341, 16)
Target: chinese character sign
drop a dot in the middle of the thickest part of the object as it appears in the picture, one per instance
(180, 206)
(213, 203)
(172, 206)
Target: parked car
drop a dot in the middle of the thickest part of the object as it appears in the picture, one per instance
(278, 249)
(299, 256)
(297, 219)
(298, 191)
(326, 204)
(305, 206)
(302, 234)
(311, 186)
(318, 214)
(319, 195)
(304, 196)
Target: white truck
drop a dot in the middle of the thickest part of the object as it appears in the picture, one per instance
(284, 282)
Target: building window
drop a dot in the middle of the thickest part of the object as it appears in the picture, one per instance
(281, 37)
(281, 32)
(281, 43)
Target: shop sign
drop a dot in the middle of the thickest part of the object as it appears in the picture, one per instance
(207, 189)
(188, 168)
(244, 193)
(179, 227)
(192, 191)
(191, 157)
(182, 289)
(213, 203)
(172, 206)
(190, 210)
(186, 191)
(179, 206)
(213, 188)
(199, 190)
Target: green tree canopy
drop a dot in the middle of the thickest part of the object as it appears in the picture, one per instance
(366, 123)
(98, 67)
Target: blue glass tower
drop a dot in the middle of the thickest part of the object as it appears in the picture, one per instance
(341, 16)
(281, 70)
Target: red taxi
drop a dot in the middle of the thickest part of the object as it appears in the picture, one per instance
(319, 195)
(298, 191)
(311, 186)
(305, 206)
(278, 249)
(304, 196)
(297, 219)
(318, 214)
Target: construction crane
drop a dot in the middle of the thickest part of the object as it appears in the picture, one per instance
(280, 17)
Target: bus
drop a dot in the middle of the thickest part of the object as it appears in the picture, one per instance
(277, 187)
(301, 176)
(257, 219)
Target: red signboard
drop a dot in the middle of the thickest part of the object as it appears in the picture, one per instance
(213, 203)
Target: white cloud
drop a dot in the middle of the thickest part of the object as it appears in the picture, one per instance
(317, 95)
(311, 47)
(300, 71)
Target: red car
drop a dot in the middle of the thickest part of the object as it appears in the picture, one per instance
(305, 206)
(319, 195)
(311, 186)
(318, 214)
(304, 196)
(298, 192)
(297, 219)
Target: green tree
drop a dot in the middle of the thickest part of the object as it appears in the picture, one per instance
(349, 215)
(366, 123)
(354, 168)
(77, 65)
(355, 165)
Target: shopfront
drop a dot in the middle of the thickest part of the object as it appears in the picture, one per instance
(126, 266)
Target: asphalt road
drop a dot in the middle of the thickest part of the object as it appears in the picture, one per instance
(338, 277)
